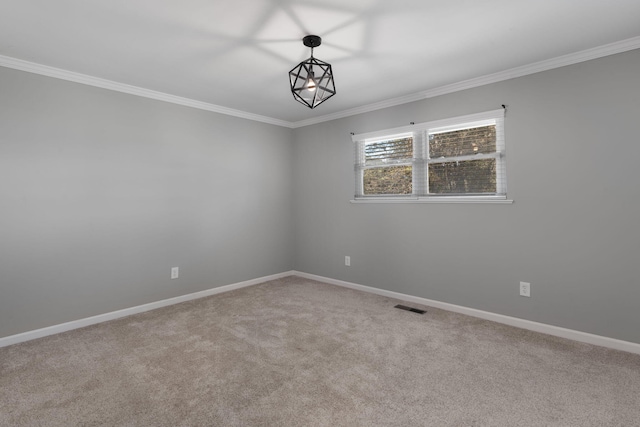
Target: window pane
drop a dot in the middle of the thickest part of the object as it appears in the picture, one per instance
(388, 180)
(473, 176)
(388, 152)
(463, 142)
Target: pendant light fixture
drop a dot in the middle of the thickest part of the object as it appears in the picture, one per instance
(312, 80)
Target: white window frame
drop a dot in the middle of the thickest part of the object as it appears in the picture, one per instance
(421, 159)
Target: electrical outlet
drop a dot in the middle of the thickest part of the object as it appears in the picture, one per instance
(175, 272)
(347, 261)
(525, 289)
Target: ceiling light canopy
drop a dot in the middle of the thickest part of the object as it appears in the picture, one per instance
(312, 80)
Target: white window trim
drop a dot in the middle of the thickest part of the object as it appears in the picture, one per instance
(418, 131)
(498, 200)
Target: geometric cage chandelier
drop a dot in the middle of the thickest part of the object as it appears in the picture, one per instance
(312, 80)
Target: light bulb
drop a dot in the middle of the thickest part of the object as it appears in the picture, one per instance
(311, 85)
(311, 82)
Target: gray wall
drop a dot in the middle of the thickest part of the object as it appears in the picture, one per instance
(101, 193)
(573, 232)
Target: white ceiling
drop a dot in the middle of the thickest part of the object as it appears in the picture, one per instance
(236, 54)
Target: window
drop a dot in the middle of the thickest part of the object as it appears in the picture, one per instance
(388, 166)
(459, 158)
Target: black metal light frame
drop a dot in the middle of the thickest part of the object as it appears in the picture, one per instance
(311, 80)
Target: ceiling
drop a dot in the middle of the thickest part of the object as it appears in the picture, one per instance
(236, 54)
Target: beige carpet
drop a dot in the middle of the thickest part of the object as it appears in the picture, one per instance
(295, 352)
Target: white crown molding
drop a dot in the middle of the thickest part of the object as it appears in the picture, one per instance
(561, 61)
(544, 328)
(549, 64)
(359, 110)
(537, 67)
(58, 73)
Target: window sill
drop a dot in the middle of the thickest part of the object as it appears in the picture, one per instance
(451, 199)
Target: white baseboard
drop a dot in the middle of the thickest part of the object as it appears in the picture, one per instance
(81, 323)
(499, 318)
(507, 320)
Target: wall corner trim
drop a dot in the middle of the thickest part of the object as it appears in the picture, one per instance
(544, 328)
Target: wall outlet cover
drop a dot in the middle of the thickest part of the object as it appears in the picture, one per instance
(525, 289)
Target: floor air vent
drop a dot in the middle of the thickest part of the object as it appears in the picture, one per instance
(414, 310)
